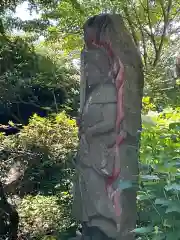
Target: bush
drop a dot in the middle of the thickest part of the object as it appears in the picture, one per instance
(158, 198)
(57, 135)
(54, 138)
(43, 149)
(40, 215)
(36, 166)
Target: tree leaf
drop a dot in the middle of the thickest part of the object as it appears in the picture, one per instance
(173, 209)
(163, 202)
(143, 230)
(173, 186)
(150, 177)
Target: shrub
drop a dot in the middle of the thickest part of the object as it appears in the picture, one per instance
(158, 198)
(57, 135)
(36, 166)
(40, 215)
(43, 140)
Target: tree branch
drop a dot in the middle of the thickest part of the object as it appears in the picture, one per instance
(2, 30)
(166, 22)
(145, 56)
(125, 9)
(151, 29)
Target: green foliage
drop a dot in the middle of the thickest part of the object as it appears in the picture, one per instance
(44, 150)
(34, 77)
(41, 75)
(158, 197)
(147, 104)
(40, 215)
(53, 138)
(17, 60)
(150, 26)
(57, 135)
(153, 26)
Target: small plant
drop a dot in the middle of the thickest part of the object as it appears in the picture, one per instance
(158, 197)
(40, 215)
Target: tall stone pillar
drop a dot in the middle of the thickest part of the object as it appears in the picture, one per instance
(109, 124)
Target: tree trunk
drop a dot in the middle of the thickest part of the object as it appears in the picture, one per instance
(109, 126)
(178, 66)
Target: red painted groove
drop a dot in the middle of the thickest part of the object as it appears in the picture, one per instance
(119, 83)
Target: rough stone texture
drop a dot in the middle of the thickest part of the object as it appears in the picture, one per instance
(111, 89)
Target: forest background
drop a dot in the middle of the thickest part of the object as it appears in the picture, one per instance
(39, 101)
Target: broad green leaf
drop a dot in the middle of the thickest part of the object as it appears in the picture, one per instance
(174, 125)
(173, 186)
(163, 202)
(141, 197)
(149, 177)
(173, 209)
(143, 230)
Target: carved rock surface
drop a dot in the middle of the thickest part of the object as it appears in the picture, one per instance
(110, 120)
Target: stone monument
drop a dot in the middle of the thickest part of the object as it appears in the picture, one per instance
(106, 165)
